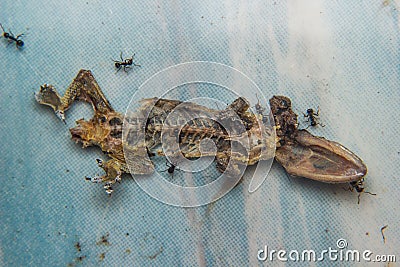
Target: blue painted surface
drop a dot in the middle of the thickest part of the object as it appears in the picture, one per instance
(339, 55)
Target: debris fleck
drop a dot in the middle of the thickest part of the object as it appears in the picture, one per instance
(383, 235)
(76, 260)
(102, 256)
(104, 240)
(152, 257)
(78, 246)
(80, 258)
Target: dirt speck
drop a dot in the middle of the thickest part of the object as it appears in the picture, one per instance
(102, 256)
(383, 235)
(80, 258)
(104, 240)
(152, 257)
(78, 246)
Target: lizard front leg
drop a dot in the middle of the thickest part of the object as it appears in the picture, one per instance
(84, 87)
(114, 170)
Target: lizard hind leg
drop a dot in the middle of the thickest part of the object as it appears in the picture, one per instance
(114, 171)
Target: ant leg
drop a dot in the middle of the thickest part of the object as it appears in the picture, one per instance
(120, 55)
(126, 67)
(350, 188)
(164, 170)
(317, 114)
(134, 64)
(358, 202)
(166, 164)
(308, 120)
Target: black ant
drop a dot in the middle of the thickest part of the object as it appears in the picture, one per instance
(10, 36)
(358, 186)
(313, 118)
(126, 63)
(171, 168)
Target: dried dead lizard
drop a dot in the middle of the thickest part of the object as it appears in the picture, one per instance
(301, 153)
